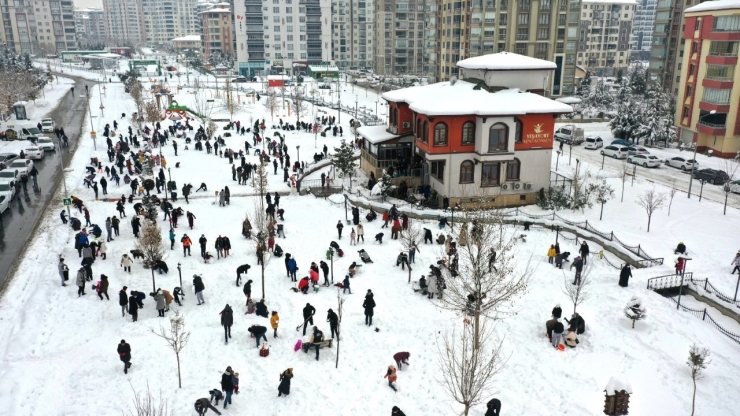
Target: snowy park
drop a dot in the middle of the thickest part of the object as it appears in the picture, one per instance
(58, 348)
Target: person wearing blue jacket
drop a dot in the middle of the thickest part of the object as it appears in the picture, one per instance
(172, 239)
(292, 268)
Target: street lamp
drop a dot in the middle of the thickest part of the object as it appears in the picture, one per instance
(696, 146)
(557, 161)
(298, 150)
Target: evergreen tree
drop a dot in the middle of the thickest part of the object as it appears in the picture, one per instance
(584, 87)
(385, 185)
(635, 311)
(343, 159)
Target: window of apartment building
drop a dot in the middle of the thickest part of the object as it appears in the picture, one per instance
(440, 134)
(489, 33)
(513, 169)
(716, 96)
(685, 110)
(490, 174)
(276, 46)
(288, 10)
(288, 19)
(523, 4)
(522, 33)
(570, 46)
(276, 9)
(466, 172)
(490, 18)
(540, 48)
(277, 38)
(276, 28)
(437, 169)
(689, 91)
(302, 37)
(520, 48)
(468, 133)
(718, 72)
(523, 18)
(303, 56)
(488, 46)
(727, 23)
(498, 137)
(502, 34)
(544, 19)
(561, 20)
(543, 33)
(289, 28)
(572, 32)
(544, 4)
(302, 19)
(475, 32)
(503, 19)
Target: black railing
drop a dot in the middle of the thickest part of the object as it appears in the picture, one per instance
(704, 315)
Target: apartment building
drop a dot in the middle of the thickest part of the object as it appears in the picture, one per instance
(544, 29)
(168, 19)
(605, 35)
(217, 32)
(124, 22)
(400, 35)
(353, 33)
(282, 36)
(708, 106)
(667, 49)
(90, 25)
(38, 27)
(642, 29)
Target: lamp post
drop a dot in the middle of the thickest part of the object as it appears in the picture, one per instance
(557, 161)
(179, 271)
(298, 151)
(696, 146)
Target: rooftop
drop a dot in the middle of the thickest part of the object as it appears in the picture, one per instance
(503, 61)
(376, 134)
(188, 38)
(465, 98)
(714, 5)
(611, 1)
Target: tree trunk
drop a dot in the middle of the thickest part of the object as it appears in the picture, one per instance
(477, 333)
(263, 276)
(467, 409)
(154, 285)
(633, 324)
(602, 212)
(648, 230)
(179, 376)
(622, 189)
(693, 397)
(336, 364)
(409, 272)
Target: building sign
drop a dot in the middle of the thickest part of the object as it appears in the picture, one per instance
(538, 132)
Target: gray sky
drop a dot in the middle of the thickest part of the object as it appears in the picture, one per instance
(88, 3)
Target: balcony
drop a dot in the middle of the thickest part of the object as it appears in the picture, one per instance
(715, 129)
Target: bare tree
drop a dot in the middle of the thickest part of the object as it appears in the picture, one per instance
(731, 167)
(15, 85)
(151, 112)
(136, 90)
(624, 172)
(578, 293)
(211, 128)
(230, 104)
(259, 219)
(603, 193)
(468, 370)
(340, 310)
(491, 280)
(150, 245)
(651, 201)
(270, 102)
(202, 105)
(671, 194)
(176, 338)
(299, 103)
(410, 239)
(697, 362)
(146, 405)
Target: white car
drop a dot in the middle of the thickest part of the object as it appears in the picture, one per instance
(4, 203)
(647, 161)
(594, 142)
(734, 187)
(23, 166)
(7, 189)
(34, 153)
(616, 151)
(46, 144)
(682, 163)
(47, 125)
(9, 174)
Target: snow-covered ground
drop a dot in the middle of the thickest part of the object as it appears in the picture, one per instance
(57, 351)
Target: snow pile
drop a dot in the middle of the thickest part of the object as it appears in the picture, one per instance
(616, 385)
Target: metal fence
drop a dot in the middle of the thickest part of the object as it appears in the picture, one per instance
(704, 315)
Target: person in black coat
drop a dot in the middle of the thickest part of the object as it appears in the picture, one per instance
(308, 313)
(395, 411)
(369, 305)
(244, 268)
(494, 408)
(624, 275)
(248, 290)
(124, 352)
(199, 288)
(227, 385)
(133, 307)
(261, 308)
(285, 377)
(123, 301)
(557, 311)
(333, 320)
(584, 250)
(428, 236)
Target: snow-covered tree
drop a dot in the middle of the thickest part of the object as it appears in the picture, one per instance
(697, 362)
(602, 192)
(202, 105)
(584, 87)
(343, 159)
(732, 168)
(599, 96)
(627, 121)
(637, 76)
(385, 185)
(150, 245)
(635, 311)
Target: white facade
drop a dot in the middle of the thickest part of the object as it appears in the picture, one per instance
(90, 24)
(353, 33)
(644, 25)
(605, 36)
(167, 19)
(124, 21)
(39, 27)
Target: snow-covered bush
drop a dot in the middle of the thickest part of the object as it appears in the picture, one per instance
(634, 310)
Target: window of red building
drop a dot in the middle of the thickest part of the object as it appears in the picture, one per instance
(490, 174)
(518, 131)
(440, 134)
(498, 138)
(513, 168)
(468, 133)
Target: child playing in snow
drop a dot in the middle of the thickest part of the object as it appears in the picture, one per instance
(217, 395)
(353, 238)
(235, 382)
(391, 376)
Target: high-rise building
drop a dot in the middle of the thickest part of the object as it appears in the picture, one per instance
(668, 43)
(545, 29)
(284, 36)
(605, 35)
(39, 27)
(399, 36)
(90, 25)
(217, 32)
(165, 20)
(353, 33)
(642, 29)
(708, 112)
(124, 22)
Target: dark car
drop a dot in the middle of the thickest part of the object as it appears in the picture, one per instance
(621, 142)
(713, 176)
(240, 80)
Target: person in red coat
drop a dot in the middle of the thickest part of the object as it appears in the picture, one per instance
(401, 358)
(303, 285)
(386, 219)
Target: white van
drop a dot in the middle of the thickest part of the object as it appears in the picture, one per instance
(47, 125)
(21, 131)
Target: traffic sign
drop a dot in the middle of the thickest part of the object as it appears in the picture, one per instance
(67, 201)
(93, 134)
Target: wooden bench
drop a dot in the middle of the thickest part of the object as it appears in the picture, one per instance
(327, 343)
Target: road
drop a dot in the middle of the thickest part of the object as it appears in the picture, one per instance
(19, 221)
(663, 175)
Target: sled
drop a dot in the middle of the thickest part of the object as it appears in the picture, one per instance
(561, 347)
(297, 345)
(364, 256)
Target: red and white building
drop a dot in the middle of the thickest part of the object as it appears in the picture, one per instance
(486, 138)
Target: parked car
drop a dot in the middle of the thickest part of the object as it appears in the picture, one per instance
(8, 174)
(594, 142)
(7, 188)
(33, 153)
(682, 163)
(239, 80)
(621, 142)
(4, 203)
(713, 176)
(47, 125)
(734, 187)
(647, 161)
(23, 166)
(637, 150)
(6, 159)
(615, 151)
(569, 135)
(46, 144)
